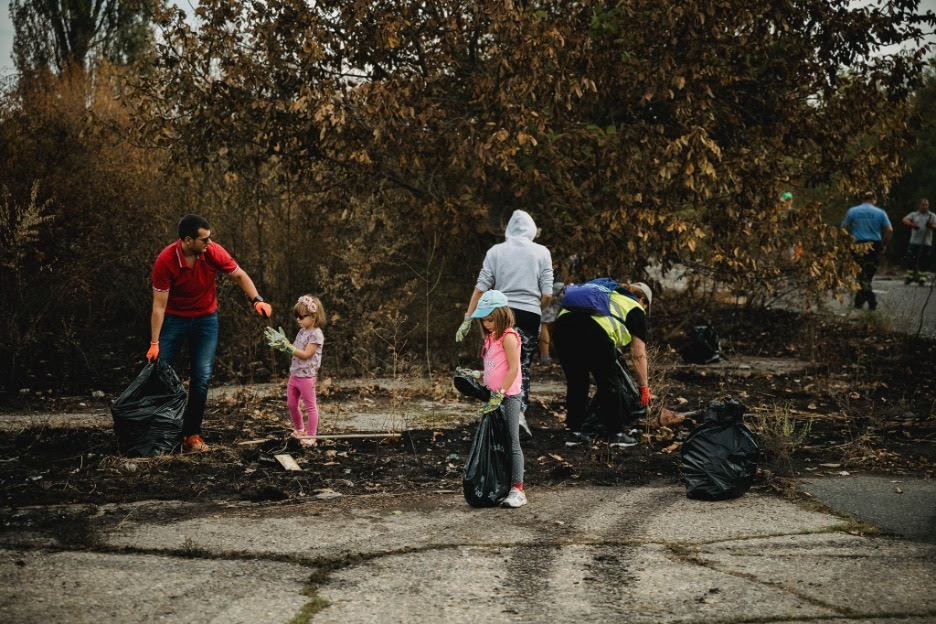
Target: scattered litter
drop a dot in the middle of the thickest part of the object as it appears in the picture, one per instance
(831, 465)
(843, 473)
(251, 442)
(672, 447)
(326, 494)
(287, 462)
(898, 490)
(97, 394)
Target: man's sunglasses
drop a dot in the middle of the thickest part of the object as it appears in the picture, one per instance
(205, 240)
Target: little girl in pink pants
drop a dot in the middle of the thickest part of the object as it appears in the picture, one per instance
(307, 357)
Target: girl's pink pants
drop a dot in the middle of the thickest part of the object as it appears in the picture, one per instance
(304, 387)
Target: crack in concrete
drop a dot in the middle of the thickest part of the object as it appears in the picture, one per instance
(899, 615)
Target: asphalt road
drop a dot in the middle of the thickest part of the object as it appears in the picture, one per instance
(911, 308)
(900, 505)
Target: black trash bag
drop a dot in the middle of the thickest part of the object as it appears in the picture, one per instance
(486, 479)
(148, 415)
(702, 346)
(630, 410)
(471, 387)
(719, 459)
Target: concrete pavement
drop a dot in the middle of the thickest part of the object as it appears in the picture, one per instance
(642, 554)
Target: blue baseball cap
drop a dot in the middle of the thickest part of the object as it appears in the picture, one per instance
(489, 301)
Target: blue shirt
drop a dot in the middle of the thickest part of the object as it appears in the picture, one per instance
(865, 222)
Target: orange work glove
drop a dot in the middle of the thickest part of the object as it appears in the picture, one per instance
(263, 309)
(153, 354)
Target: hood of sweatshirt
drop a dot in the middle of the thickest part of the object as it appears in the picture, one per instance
(520, 227)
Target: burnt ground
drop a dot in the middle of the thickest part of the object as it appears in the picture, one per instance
(862, 400)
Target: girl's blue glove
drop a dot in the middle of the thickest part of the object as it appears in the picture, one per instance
(493, 403)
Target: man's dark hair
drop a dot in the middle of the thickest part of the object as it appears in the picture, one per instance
(868, 195)
(190, 224)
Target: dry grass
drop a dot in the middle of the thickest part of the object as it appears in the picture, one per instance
(780, 436)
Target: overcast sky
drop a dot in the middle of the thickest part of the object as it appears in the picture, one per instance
(6, 29)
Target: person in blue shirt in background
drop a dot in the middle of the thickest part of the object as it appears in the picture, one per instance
(868, 224)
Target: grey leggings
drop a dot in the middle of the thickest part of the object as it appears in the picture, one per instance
(511, 410)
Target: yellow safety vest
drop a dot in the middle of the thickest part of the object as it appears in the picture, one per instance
(620, 306)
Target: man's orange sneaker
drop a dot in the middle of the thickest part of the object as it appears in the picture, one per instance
(194, 444)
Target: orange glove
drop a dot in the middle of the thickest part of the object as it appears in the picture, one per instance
(153, 354)
(645, 396)
(263, 309)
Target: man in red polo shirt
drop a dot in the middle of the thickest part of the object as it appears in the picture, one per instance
(185, 309)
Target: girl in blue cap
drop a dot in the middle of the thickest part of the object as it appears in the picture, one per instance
(501, 355)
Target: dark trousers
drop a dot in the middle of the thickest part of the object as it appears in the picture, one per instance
(201, 334)
(918, 257)
(869, 265)
(585, 349)
(528, 326)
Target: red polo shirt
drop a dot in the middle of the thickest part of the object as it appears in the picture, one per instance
(191, 289)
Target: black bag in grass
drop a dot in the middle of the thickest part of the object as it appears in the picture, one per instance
(148, 415)
(702, 346)
(719, 459)
(486, 480)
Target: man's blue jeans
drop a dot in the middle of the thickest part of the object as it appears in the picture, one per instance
(201, 334)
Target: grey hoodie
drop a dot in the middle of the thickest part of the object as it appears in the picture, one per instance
(518, 267)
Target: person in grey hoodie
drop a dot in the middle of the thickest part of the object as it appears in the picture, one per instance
(522, 270)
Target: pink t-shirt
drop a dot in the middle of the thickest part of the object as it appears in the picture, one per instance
(495, 363)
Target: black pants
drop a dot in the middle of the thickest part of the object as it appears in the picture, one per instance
(585, 349)
(869, 265)
(528, 326)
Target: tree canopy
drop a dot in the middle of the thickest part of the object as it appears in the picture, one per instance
(636, 131)
(370, 151)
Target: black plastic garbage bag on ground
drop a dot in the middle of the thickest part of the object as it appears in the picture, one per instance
(486, 480)
(702, 346)
(148, 415)
(719, 459)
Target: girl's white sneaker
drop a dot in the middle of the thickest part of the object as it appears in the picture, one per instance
(515, 498)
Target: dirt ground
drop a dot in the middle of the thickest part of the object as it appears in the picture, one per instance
(850, 397)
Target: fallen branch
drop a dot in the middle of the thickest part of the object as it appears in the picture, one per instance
(339, 436)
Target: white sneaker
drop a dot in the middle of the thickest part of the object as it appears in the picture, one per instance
(515, 498)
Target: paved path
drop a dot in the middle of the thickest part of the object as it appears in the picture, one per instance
(904, 306)
(574, 554)
(363, 413)
(900, 505)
